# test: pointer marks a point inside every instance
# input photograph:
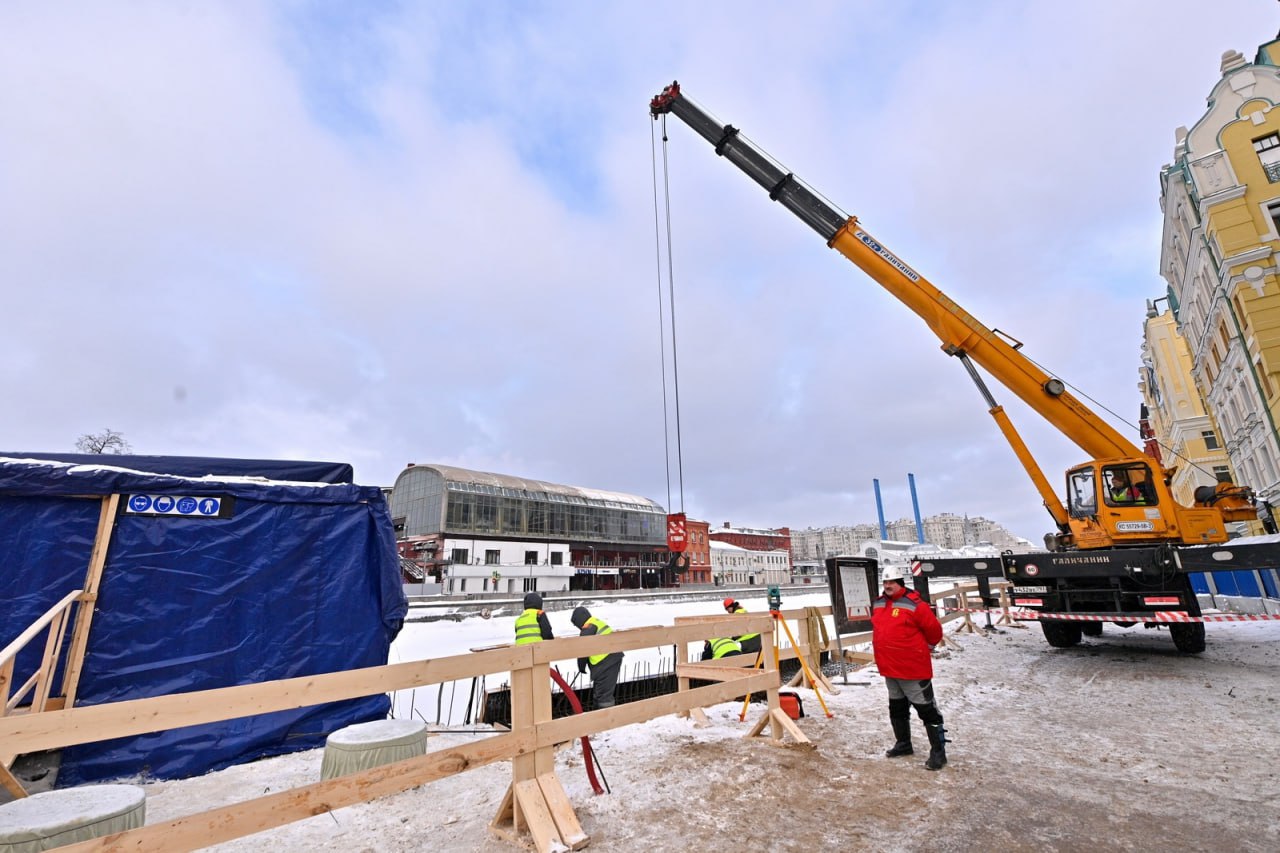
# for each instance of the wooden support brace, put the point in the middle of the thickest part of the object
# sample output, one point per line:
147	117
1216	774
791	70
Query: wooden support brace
779	719
506	814
532	806
567	825
11	783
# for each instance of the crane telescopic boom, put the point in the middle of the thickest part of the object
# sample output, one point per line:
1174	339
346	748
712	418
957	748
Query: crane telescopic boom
959	332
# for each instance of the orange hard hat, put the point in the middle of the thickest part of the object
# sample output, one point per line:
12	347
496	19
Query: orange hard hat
729	603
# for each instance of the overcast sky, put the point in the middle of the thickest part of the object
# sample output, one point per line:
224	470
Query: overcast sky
392	232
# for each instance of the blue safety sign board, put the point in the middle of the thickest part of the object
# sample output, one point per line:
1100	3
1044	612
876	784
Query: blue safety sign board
181	506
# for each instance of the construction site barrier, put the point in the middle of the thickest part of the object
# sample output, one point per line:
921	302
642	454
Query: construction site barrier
535	806
1158	616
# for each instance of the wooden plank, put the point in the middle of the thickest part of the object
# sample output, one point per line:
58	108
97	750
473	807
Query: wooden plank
88	599
240	819
544	758
6	682
506	810
643	638
793	613
522	767
567	824
49	662
771	695
533	808
21	692
11	651
10	783
52	729
568	728
712	673
780	717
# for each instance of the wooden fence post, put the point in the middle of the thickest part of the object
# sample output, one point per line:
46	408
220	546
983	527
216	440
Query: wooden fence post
89	599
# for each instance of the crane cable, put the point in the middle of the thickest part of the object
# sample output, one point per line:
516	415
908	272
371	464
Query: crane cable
1080	392
661	210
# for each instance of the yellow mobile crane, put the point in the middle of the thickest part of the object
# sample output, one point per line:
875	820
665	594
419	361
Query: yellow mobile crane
1119	547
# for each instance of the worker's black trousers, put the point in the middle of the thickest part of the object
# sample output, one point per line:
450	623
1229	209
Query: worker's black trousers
904	693
604	679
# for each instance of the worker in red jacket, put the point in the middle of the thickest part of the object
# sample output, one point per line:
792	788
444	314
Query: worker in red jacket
904	629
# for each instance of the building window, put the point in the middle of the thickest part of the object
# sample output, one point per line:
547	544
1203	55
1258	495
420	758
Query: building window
557	558
1268	148
1273	213
530	584
459	555
531	558
1210	439
1267	388
1222	473
492	558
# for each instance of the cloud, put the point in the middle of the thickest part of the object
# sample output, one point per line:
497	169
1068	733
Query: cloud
427	234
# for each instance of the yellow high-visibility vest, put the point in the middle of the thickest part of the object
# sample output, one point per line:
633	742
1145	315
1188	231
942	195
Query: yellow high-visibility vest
601	630
723	646
527	628
740	609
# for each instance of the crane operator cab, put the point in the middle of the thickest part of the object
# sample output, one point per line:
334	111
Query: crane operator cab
1115	501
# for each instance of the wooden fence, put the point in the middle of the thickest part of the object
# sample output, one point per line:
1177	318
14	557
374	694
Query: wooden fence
535	803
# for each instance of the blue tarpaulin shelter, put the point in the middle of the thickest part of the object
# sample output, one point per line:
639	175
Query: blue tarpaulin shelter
208	582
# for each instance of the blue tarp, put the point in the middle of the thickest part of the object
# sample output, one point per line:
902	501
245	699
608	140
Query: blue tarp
286	580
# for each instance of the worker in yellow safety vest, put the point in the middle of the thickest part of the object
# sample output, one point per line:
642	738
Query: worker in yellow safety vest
721	647
532	626
605	668
750	643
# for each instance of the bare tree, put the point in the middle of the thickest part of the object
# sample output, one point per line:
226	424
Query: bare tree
107	441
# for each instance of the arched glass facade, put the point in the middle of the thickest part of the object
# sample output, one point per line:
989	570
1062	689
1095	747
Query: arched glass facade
430	499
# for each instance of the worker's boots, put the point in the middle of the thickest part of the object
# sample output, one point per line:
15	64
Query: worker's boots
902	732
900	719
937	747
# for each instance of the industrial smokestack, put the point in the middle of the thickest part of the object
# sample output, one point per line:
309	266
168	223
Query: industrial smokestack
884	533
915	505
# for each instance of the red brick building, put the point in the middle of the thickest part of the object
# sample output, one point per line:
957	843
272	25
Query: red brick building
698	551
754	539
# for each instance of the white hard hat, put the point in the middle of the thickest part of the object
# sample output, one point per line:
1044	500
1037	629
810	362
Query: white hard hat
893	573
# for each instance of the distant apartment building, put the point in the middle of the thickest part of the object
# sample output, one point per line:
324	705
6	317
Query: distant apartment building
945	530
1221	202
484	532
732	565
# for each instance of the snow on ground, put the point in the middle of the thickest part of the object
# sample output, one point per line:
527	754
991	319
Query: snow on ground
1120	743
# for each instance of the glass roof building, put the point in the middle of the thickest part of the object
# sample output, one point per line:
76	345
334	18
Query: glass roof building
442	500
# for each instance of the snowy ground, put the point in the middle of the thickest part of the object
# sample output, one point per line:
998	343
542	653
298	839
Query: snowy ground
1120	743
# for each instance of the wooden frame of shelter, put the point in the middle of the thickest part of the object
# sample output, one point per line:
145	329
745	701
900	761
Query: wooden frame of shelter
40	685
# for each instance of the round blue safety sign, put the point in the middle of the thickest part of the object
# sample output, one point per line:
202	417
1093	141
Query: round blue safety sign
140	503
186	506
208	506
163	503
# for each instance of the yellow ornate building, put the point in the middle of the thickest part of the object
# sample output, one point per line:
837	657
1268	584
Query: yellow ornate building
1189	443
1221	203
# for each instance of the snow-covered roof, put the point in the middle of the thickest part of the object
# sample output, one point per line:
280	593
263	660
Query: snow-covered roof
508	481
